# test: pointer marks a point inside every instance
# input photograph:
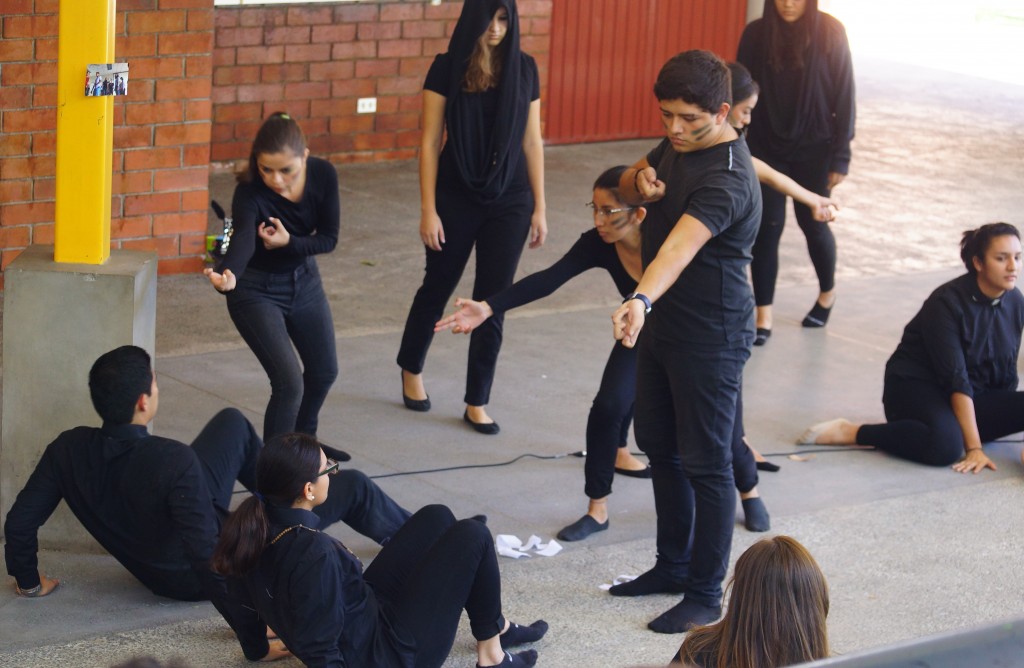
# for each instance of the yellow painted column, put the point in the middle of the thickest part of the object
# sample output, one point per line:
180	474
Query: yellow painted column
85	134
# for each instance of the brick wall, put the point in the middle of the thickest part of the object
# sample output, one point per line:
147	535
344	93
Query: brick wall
161	128
315	61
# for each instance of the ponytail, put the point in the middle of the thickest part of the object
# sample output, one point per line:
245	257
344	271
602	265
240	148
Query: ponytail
242	539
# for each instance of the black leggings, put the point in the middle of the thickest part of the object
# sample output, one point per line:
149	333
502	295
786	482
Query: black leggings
810	169
429	572
921	425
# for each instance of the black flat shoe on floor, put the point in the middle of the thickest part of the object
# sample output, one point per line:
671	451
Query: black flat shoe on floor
489	428
334	453
639	473
761	336
817	316
581	528
418	405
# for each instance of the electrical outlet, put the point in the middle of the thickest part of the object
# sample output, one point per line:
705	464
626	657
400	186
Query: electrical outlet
366	105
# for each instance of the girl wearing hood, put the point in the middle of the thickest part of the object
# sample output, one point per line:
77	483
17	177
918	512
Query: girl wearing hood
483	187
802	128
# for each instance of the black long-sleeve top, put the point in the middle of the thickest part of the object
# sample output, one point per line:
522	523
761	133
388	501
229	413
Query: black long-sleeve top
310	589
588	252
313	222
962	340
818	107
144	499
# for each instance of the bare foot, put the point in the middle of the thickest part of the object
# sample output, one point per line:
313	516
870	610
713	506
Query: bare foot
478	414
624	459
832	432
412	386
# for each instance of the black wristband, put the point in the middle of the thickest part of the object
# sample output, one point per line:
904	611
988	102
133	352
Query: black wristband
643	298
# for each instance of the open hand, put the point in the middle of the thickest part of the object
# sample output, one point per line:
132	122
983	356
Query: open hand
975	461
277	651
468	316
221	282
431	231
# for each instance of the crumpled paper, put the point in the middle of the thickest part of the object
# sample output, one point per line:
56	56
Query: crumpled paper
508	545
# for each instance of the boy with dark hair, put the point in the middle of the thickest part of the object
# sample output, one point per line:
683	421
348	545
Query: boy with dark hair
703	204
156	504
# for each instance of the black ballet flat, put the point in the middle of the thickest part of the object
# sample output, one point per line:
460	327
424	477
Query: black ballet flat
489	428
762	335
418	405
817	316
638	473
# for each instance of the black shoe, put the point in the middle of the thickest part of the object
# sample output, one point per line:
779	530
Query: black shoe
418	405
639	473
651	582
762	336
334	453
817	316
489	428
684	616
581	528
767	466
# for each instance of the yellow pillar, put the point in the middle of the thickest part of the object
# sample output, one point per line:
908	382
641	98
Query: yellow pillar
85	133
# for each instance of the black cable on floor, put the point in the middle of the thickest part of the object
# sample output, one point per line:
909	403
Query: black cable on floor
474	466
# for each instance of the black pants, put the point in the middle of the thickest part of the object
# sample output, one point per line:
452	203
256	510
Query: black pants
686	423
434	568
498	231
273	312
228	447
810	169
921	425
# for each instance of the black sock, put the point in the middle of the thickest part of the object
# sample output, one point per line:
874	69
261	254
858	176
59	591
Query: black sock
651	582
524	659
684	616
755	515
520	635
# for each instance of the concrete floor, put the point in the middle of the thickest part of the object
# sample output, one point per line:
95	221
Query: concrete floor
908	550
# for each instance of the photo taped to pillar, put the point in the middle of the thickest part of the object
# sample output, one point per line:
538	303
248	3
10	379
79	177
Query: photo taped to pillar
106	79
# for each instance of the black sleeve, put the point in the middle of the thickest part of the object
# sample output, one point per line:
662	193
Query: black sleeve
235	605
317	598
843	102
438	75
940	335
749	52
535	89
541	284
33	506
246	215
327	223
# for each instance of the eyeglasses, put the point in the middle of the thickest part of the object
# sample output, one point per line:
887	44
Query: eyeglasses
606	211
332	467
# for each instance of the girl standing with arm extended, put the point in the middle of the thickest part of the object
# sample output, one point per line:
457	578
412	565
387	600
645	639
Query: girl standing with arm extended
484	188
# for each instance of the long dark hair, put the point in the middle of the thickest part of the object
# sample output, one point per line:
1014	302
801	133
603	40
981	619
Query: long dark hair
975	243
743	84
778	603
286	463
788	42
278	132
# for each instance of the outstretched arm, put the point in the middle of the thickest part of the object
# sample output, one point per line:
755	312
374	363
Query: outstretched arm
468	316
822	208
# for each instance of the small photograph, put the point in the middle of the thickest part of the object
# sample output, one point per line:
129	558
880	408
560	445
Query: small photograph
106	79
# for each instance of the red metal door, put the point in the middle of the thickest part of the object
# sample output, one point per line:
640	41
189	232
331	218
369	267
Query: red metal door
605	55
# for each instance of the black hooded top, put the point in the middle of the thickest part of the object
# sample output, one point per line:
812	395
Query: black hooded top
801	104
484	148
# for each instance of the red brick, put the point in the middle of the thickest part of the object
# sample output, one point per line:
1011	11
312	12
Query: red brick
44	143
448	11
399	85
535	45
43	97
44	189
408	139
118	115
180	179
529	8
17	27
155	68
12	50
183	89
410	103
401	12
164	246
46	49
263	16
224	95
352	124
194	244
135	205
307	91
184	4
128	5
223	57
227	76
399	48
354	88
387	104
306	53
311	125
197	155
131	46
195	200
372	31
246	130
155	112
42	233
331	71
198	110
260	92
198	66
354	13
347	50
15	237
19	190
30	167
397	121
177	223
414	67
433	46
373	141
199	20
160	21
539	26
185	133
126	183
259	55
176	43
26	213
141	91
304	16
225	17
15	98
289	35
180	265
280	73
228	113
345	32
221	132
131	226
377	68
153	158
223	151
239	37
10	7
133	137
423	29
16	74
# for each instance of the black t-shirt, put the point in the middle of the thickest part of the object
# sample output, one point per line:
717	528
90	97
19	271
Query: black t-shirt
961	340
588	252
711	304
447	171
